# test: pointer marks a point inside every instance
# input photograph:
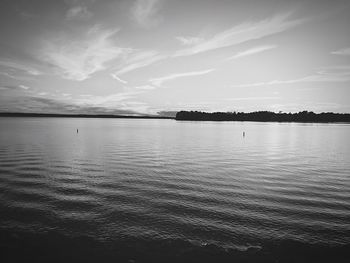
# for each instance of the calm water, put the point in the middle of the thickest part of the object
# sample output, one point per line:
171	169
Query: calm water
164	184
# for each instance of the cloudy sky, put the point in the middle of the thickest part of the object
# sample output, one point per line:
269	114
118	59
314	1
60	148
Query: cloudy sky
147	56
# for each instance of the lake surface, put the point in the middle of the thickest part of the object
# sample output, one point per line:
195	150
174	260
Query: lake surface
139	190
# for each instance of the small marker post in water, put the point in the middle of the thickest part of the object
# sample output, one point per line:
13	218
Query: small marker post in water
243	134
77	131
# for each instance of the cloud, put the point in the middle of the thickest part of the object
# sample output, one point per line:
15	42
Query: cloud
109	100
24	87
118	103
243	33
14	87
159	81
248	31
20	67
25	15
79	13
119	79
7	75
331	74
171	114
78	9
78	60
145	13
145	87
139	59
189	41
49	105
342	52
7	87
252	51
252	98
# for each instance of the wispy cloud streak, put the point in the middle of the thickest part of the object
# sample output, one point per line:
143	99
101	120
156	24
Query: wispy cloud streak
7	75
24	87
335	74
243	33
343	52
189	41
159	81
252	98
119	79
19	66
78	60
139	59
14	87
252	51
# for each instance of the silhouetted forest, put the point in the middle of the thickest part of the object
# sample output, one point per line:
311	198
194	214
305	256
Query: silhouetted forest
264	116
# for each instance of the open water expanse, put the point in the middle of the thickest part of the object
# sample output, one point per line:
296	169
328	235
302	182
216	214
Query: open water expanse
139	190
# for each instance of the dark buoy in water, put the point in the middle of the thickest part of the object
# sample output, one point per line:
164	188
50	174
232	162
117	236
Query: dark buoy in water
243	134
77	131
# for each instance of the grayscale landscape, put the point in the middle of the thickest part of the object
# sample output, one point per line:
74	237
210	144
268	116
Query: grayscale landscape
174	131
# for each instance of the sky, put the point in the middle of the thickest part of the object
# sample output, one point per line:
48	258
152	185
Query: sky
159	56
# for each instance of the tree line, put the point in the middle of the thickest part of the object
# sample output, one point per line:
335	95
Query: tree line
264	116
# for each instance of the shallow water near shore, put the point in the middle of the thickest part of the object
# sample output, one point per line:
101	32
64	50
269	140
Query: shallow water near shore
165	190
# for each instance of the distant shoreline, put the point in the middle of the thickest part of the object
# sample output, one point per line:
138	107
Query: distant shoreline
265	116
55	115
260	116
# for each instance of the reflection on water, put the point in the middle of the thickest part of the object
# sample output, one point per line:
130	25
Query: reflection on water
150	182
